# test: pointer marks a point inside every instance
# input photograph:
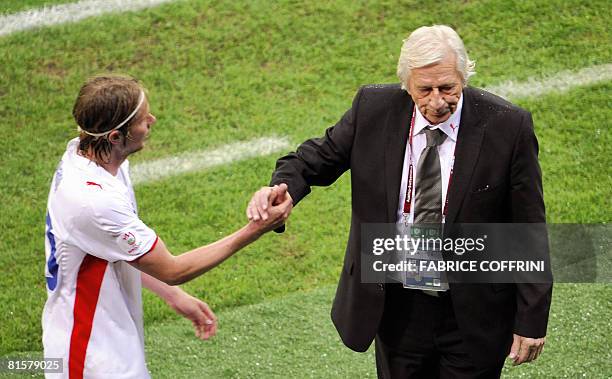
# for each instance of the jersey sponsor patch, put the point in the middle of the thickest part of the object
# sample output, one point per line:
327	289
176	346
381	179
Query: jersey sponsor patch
129	242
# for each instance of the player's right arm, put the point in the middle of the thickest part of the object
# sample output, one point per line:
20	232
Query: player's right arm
175	270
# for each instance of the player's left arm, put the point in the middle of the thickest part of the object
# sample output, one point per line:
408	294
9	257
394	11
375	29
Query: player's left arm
532	299
198	312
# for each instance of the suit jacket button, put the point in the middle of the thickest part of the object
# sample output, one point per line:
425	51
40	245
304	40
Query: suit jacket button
381	286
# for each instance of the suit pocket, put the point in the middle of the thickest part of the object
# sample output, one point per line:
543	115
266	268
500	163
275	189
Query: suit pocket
486	191
486	188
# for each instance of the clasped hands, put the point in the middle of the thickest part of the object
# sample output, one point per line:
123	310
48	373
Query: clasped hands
270	207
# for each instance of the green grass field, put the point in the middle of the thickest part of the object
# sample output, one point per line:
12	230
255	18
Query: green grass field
221	72
11	6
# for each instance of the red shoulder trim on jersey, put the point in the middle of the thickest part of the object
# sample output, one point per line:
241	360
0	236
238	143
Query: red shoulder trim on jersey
89	282
154	244
151	249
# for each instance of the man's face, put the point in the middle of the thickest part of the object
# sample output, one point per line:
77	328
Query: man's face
140	130
436	89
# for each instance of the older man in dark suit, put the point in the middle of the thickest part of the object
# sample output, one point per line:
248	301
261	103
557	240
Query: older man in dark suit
429	149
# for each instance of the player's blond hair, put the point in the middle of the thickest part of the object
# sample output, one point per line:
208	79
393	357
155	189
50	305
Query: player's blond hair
104	102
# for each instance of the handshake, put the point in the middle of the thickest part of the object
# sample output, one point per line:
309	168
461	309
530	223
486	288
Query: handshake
269	208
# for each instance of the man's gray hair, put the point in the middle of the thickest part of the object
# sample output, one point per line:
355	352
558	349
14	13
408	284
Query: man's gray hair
431	44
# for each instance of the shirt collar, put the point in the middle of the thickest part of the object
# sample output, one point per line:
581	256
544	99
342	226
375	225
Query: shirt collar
450	127
90	166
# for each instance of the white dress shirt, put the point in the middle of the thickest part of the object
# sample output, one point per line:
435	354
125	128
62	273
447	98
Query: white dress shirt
446	152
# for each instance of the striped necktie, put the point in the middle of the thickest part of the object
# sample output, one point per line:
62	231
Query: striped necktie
428	190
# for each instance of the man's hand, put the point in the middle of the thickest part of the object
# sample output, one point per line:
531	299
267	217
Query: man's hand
525	349
266	197
277	203
203	319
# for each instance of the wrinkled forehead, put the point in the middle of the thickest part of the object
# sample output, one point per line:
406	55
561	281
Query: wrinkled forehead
435	79
438	73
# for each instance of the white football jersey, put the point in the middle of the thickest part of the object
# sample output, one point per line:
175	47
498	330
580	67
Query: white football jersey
93	315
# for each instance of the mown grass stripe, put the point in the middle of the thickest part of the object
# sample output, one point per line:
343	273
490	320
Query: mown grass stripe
200	160
71	12
562	81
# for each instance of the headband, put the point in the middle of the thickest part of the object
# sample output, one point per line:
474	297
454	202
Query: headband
128	118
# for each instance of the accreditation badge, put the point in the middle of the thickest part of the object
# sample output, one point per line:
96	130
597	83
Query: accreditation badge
427	252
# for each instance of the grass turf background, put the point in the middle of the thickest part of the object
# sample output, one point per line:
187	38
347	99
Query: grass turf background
291	337
218	72
12	6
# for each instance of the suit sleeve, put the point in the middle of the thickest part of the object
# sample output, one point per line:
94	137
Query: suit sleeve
319	161
532	299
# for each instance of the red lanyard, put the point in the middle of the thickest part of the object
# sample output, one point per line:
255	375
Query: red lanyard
408	198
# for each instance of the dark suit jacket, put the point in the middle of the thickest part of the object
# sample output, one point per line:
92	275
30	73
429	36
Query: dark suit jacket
496	146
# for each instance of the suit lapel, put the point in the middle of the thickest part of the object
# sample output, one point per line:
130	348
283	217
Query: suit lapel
469	141
396	134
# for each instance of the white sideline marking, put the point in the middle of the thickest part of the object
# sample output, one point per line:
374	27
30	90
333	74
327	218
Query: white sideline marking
190	162
562	81
70	12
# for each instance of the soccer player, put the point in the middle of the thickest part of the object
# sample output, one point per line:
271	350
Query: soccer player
99	252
